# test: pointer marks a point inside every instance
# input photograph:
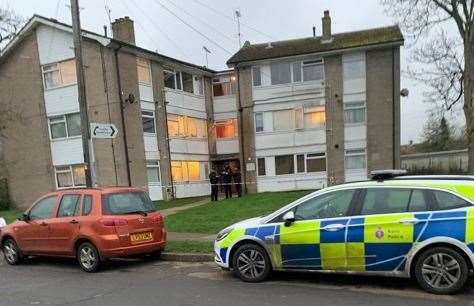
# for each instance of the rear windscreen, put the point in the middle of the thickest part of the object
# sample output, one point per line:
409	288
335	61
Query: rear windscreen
126	202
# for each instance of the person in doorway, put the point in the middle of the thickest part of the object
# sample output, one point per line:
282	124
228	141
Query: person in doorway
227	182
214	180
237	181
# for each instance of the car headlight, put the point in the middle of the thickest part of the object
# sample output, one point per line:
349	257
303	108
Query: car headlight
222	234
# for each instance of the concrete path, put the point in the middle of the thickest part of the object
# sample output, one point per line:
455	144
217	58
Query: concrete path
174	210
191	236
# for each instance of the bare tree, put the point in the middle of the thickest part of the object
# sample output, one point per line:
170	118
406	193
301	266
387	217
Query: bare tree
10	24
447	62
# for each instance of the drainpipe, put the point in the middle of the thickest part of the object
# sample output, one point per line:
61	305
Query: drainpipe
243	168
393	110
122	116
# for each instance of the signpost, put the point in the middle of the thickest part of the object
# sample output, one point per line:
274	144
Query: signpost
103	131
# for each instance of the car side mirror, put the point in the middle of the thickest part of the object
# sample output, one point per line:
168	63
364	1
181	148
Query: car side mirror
25	217
289	218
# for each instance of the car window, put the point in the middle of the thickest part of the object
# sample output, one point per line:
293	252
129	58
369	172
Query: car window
446	200
69	205
126	202
43	209
86	205
330	205
385	201
417	201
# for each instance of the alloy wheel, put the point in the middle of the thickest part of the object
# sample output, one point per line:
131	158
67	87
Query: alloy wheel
87	257
441	271
251	263
10	251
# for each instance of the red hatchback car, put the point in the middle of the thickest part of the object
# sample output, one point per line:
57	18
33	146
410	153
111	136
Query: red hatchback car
91	224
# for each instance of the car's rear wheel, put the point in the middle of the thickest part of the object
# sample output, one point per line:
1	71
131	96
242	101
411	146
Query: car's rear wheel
441	270
11	252
251	263
88	257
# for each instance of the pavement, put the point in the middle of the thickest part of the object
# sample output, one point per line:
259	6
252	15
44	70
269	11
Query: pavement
174	210
135	282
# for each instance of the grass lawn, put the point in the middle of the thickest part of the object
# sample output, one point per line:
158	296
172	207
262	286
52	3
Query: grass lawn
215	216
160	205
189	246
10	215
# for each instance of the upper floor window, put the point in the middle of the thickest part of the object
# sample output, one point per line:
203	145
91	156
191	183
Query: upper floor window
354	112
144	71
65	126
280	73
199	85
226	129
283	120
184	126
314	117
185	171
355	159
70	176
59	74
354	69
148	121
301	71
180	81
256	76
223	86
153	172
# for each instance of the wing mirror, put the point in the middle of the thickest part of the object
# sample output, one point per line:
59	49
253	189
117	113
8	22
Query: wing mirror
25	217
289	218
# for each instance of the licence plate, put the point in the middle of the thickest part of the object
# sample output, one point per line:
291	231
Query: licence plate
141	237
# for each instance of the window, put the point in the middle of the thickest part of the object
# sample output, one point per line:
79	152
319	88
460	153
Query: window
355	159
354	70
385	201
59	74
259	122
179	85
446	200
329	205
86	205
184	171
316	162
297	72
69	205
314	117
283	120
226	129
70	176
43	209
65	126
170	81
183	126
144	71
354	112
256	76
313	70
199	85
261	167
153	172
148	121
300	167
280	73
417	201
126	202
187	82
223	86
284	164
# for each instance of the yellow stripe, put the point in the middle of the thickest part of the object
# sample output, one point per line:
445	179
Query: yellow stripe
333	256
470	225
356	256
388	229
229	240
300	232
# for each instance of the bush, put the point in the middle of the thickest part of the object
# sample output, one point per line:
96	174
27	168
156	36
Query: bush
5	202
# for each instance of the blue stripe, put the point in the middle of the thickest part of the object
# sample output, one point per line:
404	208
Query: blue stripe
355	230
223	254
336	236
301	255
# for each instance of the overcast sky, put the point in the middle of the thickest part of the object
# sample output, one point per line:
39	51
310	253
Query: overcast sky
157	29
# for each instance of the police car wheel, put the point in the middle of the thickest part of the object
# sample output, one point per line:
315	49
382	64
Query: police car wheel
11	252
441	270
251	263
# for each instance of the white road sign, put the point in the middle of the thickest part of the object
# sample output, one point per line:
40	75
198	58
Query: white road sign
100	130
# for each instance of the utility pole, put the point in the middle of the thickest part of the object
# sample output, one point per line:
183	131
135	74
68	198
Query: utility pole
81	88
206	52
237	16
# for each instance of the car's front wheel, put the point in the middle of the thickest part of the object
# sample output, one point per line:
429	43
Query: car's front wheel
441	270
88	257
251	263
11	252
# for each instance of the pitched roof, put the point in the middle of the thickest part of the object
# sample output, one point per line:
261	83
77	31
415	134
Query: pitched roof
310	45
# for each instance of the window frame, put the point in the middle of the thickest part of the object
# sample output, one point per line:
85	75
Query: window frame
222	79
200	124
53	209
154	164
347	108
293	162
225	123
64	120
259	68
301	64
144	63
77	207
60	77
263	122
69	170
259	173
355	154
150	115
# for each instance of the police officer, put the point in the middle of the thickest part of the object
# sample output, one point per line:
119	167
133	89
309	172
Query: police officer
214	185
226	180
237	181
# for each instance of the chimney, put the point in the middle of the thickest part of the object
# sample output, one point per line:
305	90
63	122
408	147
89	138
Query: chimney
123	30
326	27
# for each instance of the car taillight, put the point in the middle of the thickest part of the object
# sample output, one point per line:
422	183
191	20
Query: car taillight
157	219
113	222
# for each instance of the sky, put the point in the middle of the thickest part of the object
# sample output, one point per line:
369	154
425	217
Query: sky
211	23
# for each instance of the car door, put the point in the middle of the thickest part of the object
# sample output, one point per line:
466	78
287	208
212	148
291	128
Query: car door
33	232
64	227
316	239
389	222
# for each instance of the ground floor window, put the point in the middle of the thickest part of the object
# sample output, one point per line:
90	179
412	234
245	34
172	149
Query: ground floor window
261	166
315	162
356	159
70	176
153	172
284	164
188	171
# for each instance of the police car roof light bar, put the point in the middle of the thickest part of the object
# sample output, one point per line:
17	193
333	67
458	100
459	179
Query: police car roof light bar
381	175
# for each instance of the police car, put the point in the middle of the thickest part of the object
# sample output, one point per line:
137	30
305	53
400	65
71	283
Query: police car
394	225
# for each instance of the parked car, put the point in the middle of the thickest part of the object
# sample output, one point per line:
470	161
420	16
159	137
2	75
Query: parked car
409	226
91	225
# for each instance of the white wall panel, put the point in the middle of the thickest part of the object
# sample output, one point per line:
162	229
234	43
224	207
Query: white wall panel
67	152
290	139
225	104
355	132
155	192
54	45
227	146
291	182
181	99
61	100
178	145
355	175
192	189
